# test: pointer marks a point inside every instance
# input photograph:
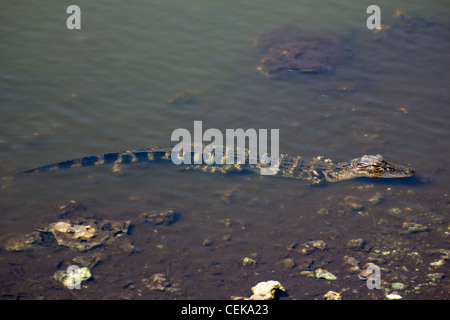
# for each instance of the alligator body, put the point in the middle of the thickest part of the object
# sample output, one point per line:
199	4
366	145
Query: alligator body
316	169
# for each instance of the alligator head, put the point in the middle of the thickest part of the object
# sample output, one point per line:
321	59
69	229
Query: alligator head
377	167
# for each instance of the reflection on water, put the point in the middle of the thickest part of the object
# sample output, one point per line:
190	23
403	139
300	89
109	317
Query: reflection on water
122	83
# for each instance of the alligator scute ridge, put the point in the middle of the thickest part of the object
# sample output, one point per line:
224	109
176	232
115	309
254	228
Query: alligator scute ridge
316	169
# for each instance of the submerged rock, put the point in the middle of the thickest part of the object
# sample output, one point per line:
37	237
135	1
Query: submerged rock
158	282
445	253
159	217
351	203
23	242
404	28
289	50
74	278
356	244
375	199
396	210
70	209
85	234
184	98
435	276
249	262
207	242
311	246
353	263
412	227
79	233
88	260
285	264
365	274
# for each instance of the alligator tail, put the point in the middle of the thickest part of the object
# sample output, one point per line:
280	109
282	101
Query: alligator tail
145	155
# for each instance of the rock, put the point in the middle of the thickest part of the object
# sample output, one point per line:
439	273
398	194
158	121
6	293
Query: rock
81	232
435	276
350	85
126	246
306	250
63	227
289	50
23	242
353	262
396	210
445	253
184	98
85	234
68	209
364	274
350	204
356	244
375	199
227	237
307	273
319	244
305	263
226	196
331	295
249	262
158	282
286	264
207	243
117	168
437	263
88	260
412	227
393	296
398	286
404	28
322	211
324	274
74	278
311	246
266	290
162	217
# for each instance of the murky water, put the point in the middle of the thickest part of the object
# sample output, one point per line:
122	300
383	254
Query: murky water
112	86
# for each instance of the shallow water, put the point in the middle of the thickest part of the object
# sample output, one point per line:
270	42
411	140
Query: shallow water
107	87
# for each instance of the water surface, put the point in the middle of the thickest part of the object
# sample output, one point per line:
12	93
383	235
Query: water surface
107	87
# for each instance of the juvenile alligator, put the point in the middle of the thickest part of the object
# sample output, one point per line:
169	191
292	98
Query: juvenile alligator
317	169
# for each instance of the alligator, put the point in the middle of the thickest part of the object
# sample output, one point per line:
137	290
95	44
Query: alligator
316	170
